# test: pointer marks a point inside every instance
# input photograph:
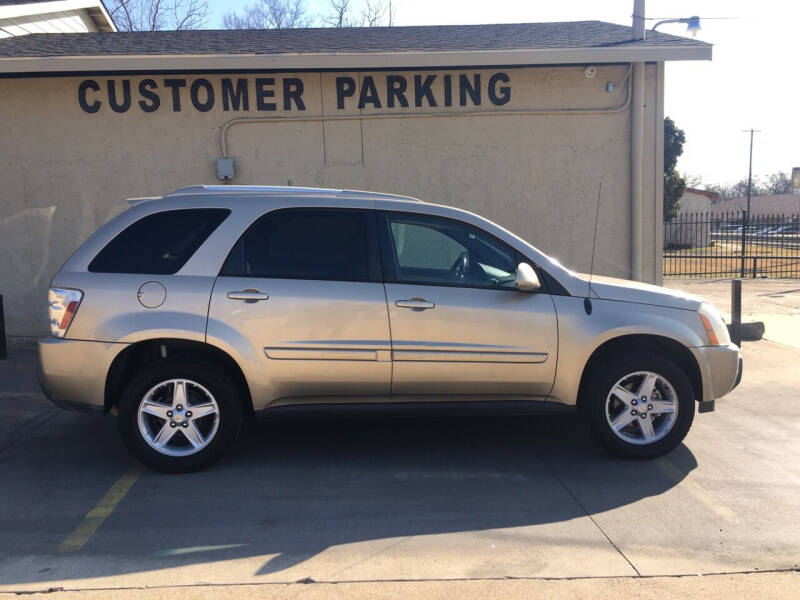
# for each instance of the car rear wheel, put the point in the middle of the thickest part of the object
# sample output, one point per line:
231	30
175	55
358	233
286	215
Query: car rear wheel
179	415
639	405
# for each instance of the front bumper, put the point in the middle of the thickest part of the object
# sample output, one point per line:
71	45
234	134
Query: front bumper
721	371
72	373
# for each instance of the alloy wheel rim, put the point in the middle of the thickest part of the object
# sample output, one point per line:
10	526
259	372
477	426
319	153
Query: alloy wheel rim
641	408
178	417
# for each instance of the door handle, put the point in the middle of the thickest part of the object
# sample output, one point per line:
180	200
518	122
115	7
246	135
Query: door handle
248	296
415	303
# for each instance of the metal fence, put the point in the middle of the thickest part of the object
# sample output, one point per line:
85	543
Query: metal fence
732	245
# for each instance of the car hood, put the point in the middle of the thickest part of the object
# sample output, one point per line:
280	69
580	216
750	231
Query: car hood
623	290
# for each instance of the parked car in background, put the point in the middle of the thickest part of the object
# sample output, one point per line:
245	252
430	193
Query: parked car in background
187	314
768	229
788	229
725	229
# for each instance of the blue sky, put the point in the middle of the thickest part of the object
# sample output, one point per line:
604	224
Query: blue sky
751	82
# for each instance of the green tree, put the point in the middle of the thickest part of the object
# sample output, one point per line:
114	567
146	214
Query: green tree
674	183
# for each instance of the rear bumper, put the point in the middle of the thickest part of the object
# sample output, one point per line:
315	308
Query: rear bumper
721	371
72	373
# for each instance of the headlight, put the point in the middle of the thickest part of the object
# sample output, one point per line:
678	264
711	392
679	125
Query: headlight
62	304
715	328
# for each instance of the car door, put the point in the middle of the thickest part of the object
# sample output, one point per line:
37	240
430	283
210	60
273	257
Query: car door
459	326
301	291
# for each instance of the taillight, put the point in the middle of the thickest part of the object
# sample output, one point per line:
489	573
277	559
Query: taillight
62	304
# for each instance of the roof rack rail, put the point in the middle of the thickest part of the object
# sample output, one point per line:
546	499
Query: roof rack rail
189	189
139	200
380	195
275	189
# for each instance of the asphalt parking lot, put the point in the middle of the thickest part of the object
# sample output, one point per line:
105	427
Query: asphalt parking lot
422	500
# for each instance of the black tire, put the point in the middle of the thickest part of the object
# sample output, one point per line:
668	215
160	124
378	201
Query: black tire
215	380
607	373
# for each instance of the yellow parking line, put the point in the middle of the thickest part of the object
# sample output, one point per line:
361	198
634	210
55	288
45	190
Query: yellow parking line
694	489
95	517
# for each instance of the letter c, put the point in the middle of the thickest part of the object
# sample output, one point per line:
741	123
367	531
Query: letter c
88	84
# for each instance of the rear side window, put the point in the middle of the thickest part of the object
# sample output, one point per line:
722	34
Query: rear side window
323	244
159	244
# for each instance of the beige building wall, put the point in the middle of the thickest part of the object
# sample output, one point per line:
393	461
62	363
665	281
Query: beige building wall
532	164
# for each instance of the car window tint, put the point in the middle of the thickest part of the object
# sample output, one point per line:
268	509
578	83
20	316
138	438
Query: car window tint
325	244
419	246
443	251
158	244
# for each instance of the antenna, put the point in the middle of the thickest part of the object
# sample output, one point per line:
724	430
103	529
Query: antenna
587	302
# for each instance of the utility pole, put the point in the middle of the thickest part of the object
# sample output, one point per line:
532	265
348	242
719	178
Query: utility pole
746	219
638	20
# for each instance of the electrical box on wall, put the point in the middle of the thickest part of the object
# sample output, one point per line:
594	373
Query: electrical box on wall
225	168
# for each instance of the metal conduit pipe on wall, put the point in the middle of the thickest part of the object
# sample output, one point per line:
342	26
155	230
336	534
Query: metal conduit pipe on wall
637	145
503	113
637	159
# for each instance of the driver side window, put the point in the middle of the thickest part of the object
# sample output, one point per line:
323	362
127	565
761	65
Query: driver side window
421	247
439	251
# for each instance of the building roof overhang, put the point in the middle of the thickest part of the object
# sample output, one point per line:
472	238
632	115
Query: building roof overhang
431	47
345	61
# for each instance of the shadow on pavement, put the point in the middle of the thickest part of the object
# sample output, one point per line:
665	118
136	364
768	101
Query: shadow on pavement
293	489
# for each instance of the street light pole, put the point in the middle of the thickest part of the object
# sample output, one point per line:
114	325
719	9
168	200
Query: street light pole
746	219
693	24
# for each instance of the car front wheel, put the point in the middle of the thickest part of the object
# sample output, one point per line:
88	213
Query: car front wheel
639	405
179	415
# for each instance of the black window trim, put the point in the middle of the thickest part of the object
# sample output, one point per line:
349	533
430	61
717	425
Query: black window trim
390	267
374	263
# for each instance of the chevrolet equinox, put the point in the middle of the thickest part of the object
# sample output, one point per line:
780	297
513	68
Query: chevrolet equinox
187	314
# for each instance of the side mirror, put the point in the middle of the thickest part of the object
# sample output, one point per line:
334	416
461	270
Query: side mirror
526	279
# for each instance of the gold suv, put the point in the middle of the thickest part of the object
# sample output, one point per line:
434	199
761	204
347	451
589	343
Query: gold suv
186	314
